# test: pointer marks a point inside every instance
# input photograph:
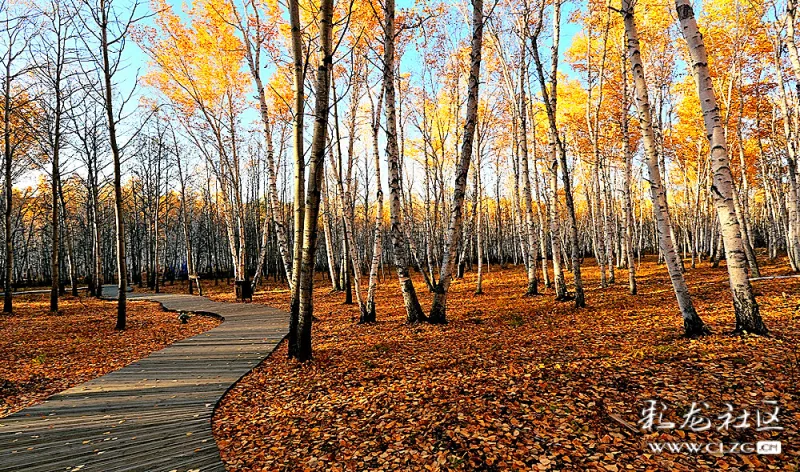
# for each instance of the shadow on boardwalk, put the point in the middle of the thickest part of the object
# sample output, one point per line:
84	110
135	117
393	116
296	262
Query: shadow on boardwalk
154	414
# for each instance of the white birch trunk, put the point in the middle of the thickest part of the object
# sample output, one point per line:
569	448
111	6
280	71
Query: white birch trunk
377	243
627	200
530	230
748	318
316	172
439	306
693	325
414	312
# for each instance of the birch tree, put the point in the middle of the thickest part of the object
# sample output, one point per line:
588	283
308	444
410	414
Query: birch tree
55	58
438	313
255	27
748	318
557	147
692	324
17	30
377	244
298	110
530	229
628	156
414	312
316	173
108	27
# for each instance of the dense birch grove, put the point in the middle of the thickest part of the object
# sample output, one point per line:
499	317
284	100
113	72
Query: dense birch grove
354	143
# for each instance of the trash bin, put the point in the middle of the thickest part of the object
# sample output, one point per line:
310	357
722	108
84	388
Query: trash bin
244	291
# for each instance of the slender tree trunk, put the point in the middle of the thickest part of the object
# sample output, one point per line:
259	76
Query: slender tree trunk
294	341
377	243
595	210
253	52
744	207
346	200
413	310
539	213
609	226
346	267
692	324
595	204
156	267
326	227
8	306
9	189
377	250
98	255
185	219
73	273
605	248
438	313
793	195
122	267
240	273
748	318
560	155
55	220
718	249
559	283
478	230
627	200
530	230
319	140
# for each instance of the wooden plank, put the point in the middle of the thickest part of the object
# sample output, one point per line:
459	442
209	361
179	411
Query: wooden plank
41	291
154	414
773	277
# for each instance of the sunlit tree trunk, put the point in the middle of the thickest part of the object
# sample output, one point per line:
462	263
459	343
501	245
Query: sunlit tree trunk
597	209
347	203
748	318
479	229
438	313
108	98
692	324
427	270
252	32
742	202
187	239
377	243
530	230
329	244
238	205
299	181
627	200
414	312
558	150
793	195
540	215
318	144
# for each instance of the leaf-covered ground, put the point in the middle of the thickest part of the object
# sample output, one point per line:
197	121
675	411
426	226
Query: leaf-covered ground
515	383
43	354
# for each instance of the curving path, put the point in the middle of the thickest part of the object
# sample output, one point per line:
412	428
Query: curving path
154	414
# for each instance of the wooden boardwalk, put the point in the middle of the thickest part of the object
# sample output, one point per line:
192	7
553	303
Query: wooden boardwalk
154	414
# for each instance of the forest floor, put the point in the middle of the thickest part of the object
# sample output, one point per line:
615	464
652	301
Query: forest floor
516	383
43	354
